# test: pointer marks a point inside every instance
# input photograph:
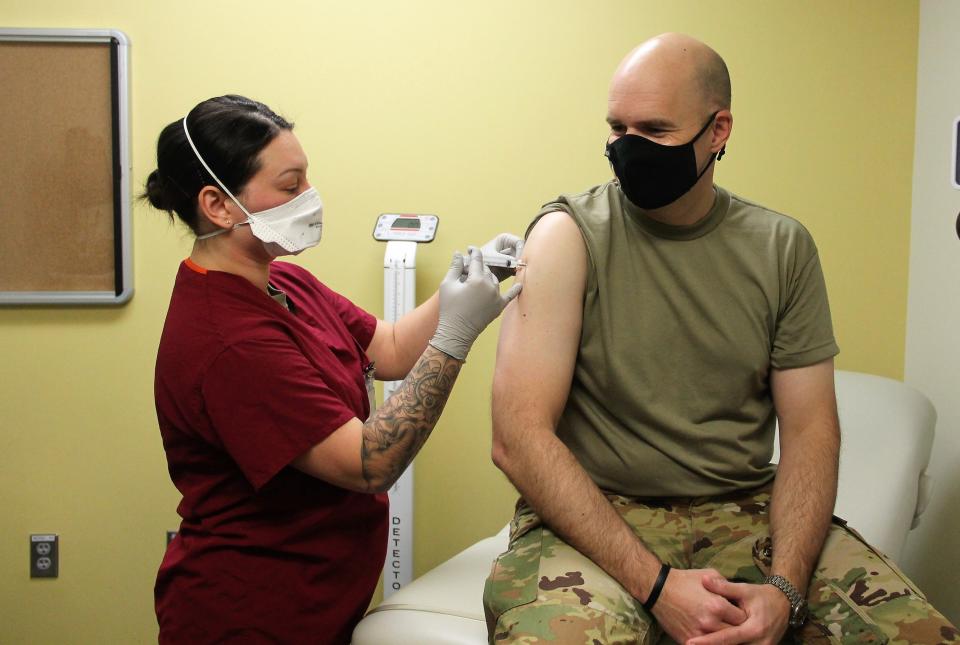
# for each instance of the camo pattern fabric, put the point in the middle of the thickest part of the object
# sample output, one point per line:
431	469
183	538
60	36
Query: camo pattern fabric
543	591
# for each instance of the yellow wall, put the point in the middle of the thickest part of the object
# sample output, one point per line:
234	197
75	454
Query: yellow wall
476	111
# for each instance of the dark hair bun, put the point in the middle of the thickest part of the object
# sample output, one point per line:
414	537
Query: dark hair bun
158	192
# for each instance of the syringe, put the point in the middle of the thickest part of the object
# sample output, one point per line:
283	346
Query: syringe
502	260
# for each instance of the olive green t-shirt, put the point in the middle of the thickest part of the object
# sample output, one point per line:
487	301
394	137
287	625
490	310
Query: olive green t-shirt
681	326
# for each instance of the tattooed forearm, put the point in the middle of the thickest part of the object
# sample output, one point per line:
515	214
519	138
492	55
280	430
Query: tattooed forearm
393	436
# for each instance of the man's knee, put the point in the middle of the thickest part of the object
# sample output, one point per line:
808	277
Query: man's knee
543	590
857	592
552	622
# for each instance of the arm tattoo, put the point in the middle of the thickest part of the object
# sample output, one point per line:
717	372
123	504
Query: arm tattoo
393	436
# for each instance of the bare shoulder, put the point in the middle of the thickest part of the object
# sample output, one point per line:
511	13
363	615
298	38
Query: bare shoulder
553	227
554	250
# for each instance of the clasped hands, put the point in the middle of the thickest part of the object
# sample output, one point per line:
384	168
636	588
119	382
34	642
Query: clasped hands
701	607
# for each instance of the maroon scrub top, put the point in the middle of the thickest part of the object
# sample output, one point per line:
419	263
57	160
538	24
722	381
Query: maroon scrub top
243	386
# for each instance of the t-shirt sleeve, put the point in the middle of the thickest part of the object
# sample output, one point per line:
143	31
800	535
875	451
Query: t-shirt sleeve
804	332
268	404
360	323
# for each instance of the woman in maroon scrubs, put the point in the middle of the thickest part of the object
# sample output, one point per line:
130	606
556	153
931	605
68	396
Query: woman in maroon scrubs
261	386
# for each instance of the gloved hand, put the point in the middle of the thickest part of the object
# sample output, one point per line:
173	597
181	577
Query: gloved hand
468	306
507	244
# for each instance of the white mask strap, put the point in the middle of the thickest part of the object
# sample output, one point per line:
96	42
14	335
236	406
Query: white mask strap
217	179
220	230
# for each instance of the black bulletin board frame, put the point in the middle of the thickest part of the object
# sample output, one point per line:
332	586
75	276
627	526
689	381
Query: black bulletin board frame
120	169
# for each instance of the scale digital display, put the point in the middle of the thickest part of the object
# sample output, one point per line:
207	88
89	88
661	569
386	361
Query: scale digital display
406	223
405	227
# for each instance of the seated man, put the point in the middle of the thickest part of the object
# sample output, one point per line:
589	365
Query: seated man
664	322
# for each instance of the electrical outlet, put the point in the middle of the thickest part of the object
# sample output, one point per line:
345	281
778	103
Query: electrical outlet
170	536
44	555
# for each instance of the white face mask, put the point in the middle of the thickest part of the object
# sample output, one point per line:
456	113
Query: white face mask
286	229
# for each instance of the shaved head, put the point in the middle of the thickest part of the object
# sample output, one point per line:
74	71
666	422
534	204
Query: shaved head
714	81
680	63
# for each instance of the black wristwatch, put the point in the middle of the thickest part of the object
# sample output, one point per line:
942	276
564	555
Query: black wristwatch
798	604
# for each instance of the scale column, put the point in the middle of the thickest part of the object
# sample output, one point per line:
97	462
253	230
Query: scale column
399	288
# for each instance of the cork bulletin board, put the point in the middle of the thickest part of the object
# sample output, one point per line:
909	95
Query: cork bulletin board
64	167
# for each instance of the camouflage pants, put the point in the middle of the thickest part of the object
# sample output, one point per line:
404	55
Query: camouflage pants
543	591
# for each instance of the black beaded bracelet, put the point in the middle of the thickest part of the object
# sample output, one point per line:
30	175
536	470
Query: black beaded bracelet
657	587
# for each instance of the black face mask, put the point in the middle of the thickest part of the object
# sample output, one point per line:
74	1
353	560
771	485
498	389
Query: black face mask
651	174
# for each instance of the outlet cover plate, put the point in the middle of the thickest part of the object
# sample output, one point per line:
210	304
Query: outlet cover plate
44	555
